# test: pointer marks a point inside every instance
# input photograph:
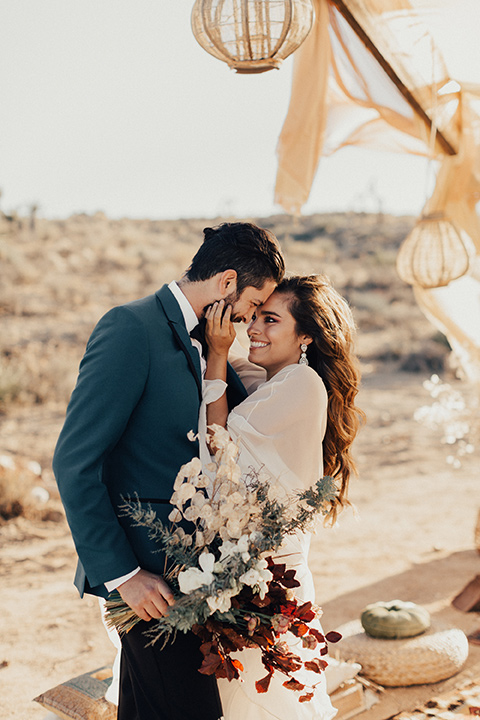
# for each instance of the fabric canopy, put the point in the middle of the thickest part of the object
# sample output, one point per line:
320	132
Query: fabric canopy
391	75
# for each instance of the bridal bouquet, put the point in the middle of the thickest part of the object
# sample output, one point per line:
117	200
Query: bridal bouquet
229	590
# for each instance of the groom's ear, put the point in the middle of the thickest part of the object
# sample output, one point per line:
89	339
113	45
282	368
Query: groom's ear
227	282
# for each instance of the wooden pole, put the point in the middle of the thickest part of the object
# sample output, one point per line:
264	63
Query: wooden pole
413	102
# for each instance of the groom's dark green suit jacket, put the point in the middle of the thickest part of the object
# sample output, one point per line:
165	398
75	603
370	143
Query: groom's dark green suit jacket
137	396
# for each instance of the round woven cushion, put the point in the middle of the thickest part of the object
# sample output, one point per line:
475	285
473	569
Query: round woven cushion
435	655
394	619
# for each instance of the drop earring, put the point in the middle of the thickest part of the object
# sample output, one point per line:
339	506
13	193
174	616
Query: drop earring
303	357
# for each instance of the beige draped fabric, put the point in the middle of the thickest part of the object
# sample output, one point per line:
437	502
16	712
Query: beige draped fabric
391	75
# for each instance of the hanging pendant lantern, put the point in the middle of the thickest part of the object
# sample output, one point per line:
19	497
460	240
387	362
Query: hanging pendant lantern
434	253
251	36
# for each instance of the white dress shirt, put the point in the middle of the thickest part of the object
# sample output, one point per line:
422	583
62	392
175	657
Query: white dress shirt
191	321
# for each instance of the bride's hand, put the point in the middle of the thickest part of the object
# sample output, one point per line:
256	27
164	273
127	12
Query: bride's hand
219	330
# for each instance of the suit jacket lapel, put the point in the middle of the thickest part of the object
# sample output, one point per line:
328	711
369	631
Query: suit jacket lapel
235	390
177	325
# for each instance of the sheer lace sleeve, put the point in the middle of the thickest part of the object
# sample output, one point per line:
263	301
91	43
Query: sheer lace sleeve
280	428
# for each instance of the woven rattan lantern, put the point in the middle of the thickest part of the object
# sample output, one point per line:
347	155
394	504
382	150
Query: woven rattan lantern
251	36
435	253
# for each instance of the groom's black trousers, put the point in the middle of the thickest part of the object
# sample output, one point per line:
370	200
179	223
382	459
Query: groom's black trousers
163	683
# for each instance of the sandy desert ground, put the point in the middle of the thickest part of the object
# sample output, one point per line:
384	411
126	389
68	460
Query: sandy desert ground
413	534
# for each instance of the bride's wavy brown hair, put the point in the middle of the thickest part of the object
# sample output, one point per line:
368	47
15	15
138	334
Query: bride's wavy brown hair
322	313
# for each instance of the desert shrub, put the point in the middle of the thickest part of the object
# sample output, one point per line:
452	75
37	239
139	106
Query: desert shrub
11	382
16	485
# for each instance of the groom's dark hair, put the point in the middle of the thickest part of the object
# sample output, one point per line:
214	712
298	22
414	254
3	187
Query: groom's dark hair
253	252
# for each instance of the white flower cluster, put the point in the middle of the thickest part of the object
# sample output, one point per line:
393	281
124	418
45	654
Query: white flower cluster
223	509
228	509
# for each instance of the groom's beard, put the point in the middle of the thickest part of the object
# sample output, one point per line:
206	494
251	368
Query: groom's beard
229	300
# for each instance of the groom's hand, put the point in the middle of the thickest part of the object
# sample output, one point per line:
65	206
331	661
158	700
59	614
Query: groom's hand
147	594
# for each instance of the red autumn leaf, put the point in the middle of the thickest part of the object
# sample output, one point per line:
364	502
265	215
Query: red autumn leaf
237	641
212	626
316	665
293	685
261	602
201	631
266	664
211	663
286	663
288	579
260	641
262	685
333	636
324	650
230	670
305	612
288	608
277	570
238	665
305	698
266	633
317	634
206	647
299	629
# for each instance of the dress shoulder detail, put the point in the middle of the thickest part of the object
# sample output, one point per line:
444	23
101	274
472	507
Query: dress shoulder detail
304	380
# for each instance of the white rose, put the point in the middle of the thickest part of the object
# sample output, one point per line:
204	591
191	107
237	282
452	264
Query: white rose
193	578
251	577
190	580
222	601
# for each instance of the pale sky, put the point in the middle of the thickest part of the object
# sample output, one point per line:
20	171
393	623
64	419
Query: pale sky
112	105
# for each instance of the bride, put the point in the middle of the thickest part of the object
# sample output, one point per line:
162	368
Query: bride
296	426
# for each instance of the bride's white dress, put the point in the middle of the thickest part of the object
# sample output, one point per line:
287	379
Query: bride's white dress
279	430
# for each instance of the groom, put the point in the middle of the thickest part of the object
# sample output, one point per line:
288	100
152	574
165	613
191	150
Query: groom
137	396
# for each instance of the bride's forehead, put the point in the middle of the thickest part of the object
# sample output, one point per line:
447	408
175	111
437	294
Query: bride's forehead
277	302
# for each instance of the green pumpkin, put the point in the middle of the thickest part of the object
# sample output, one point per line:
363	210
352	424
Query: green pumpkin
394	619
